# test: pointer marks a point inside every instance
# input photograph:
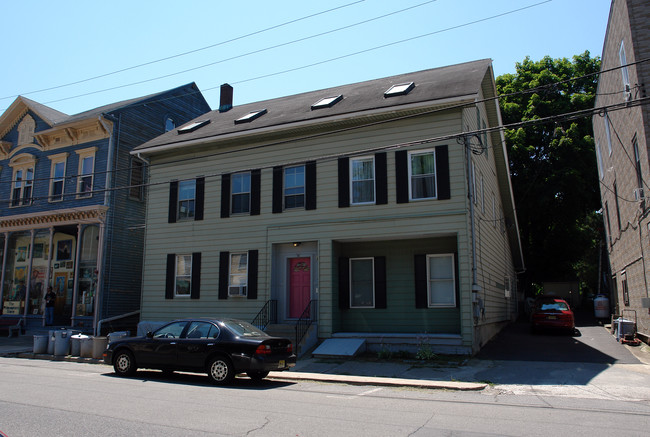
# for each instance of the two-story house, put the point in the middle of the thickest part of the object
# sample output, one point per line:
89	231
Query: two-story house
622	134
381	210
72	205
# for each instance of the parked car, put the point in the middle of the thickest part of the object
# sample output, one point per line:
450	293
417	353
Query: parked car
552	313
222	348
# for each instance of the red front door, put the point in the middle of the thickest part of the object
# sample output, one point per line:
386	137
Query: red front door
299	285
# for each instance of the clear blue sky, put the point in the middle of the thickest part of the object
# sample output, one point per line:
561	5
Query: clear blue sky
53	43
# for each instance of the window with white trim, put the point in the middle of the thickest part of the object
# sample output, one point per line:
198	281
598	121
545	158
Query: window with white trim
422	175
136	191
57	176
624	72
608	133
441	281
183	276
294	187
22	186
238	274
86	171
599	159
362	283
362	180
240	193
186	199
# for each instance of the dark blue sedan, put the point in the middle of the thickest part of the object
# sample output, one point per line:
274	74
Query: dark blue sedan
222	348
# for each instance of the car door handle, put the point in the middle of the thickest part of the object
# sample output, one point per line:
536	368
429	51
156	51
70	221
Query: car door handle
173	342
210	344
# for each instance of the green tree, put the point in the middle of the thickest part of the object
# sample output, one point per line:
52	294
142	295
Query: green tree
553	166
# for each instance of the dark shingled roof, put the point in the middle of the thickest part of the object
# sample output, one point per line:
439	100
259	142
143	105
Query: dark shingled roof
430	86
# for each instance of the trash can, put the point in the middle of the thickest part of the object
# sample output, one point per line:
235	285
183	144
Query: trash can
99	346
113	336
50	342
86	347
75	344
62	342
623	327
40	344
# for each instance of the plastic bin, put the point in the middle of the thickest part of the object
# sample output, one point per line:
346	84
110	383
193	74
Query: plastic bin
86	347
623	326
99	346
113	336
62	342
40	344
75	344
50	342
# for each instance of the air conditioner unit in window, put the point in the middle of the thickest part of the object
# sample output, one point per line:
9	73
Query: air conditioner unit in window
627	93
237	290
638	194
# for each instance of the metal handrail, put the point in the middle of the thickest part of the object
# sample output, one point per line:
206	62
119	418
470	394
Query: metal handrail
268	314
98	331
305	320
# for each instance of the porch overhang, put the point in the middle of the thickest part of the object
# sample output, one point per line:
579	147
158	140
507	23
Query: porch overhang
72	216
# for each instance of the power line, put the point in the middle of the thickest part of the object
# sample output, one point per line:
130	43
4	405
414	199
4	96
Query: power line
257	32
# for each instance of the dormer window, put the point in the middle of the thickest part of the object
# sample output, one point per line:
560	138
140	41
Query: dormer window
250	116
401	89
327	102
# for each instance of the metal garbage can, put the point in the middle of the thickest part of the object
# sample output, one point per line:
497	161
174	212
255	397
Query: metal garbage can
62	342
86	347
40	344
113	336
75	344
99	346
50	342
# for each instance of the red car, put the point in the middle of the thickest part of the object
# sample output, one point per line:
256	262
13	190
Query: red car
552	313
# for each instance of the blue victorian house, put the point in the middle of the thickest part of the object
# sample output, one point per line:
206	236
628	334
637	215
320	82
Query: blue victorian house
72	205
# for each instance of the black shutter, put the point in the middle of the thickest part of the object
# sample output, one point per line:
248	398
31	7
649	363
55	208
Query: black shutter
251	285
173	201
344	182
344	283
381	178
224	271
442	172
200	198
310	185
225	196
380	282
402	176
195	293
170	279
421	295
256	187
277	189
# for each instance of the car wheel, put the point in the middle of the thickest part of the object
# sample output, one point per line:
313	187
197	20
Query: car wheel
124	363
257	375
220	371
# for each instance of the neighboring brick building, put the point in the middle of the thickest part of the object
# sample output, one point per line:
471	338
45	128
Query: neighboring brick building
621	133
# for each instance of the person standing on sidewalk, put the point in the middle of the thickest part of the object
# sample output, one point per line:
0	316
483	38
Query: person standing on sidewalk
50	300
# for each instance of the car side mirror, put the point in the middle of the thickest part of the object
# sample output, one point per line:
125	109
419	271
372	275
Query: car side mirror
149	334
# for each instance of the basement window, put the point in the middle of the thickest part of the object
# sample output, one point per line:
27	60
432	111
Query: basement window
401	89
327	102
192	126
250	116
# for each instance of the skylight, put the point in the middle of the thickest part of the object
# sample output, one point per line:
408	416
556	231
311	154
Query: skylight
327	102
250	116
192	126
399	90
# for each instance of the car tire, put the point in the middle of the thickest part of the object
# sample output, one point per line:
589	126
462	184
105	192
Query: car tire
124	363
257	375
220	371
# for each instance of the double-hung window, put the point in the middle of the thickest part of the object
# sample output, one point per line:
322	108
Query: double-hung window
183	275
441	281
136	191
422	175
294	187
238	274
186	199
624	72
85	172
22	186
57	176
241	193
362	283
362	178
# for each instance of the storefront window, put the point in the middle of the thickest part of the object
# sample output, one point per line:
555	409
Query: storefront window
15	273
87	281
63	257
37	287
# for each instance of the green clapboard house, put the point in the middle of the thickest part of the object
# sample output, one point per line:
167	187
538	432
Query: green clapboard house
379	210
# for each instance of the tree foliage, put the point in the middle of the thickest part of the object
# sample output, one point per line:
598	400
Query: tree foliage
553	164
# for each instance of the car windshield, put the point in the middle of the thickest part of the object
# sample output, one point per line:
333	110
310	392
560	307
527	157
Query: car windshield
244	329
560	306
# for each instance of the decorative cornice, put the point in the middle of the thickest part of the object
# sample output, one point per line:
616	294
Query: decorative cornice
85	215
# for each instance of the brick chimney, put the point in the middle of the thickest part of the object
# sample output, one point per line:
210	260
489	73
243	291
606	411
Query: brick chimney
225	102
